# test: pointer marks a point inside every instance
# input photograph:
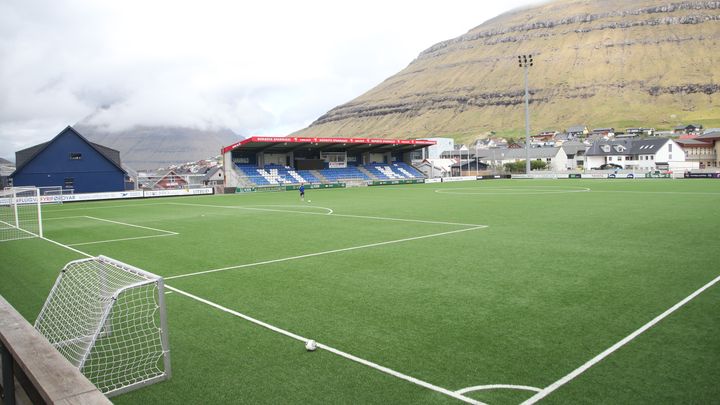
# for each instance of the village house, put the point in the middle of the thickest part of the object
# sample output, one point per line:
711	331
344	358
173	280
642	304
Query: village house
641	154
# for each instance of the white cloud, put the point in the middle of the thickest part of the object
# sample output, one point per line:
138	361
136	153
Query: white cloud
267	67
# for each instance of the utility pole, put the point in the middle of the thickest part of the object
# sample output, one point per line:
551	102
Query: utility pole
526	61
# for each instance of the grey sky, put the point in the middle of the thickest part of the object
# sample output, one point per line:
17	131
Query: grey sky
258	68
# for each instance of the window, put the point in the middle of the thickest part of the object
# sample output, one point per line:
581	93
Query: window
670	156
75	155
609	158
670	147
652	157
69	182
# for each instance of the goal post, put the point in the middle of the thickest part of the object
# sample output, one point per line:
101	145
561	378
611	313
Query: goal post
20	213
108	319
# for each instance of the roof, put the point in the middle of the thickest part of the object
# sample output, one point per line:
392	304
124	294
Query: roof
23	157
470	164
626	147
287	144
572	147
441	164
210	173
577	128
693	142
709	136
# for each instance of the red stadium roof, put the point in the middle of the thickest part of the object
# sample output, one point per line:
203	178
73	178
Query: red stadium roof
280	143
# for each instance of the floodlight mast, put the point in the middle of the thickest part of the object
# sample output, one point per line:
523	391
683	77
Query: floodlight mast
526	61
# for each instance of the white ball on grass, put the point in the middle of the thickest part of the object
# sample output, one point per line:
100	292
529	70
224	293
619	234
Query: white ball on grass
311	345
309	200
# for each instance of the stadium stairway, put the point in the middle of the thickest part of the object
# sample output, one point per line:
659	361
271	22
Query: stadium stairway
368	172
319	176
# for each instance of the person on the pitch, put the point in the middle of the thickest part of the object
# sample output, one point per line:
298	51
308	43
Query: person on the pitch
302	191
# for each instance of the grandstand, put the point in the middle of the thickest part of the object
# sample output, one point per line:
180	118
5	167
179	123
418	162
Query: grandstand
278	161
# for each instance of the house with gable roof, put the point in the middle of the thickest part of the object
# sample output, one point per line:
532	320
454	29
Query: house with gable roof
578	131
554	157
71	161
636	154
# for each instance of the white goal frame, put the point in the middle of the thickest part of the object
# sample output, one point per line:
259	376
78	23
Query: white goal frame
109	320
20	213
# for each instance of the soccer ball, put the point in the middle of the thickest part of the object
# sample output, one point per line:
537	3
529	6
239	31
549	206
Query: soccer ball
311	345
309	200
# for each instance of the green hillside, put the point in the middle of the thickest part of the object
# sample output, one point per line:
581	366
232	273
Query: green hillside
597	63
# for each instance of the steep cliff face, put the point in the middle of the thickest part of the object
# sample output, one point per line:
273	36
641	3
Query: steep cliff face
597	62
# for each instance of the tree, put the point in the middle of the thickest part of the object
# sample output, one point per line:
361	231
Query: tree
519	166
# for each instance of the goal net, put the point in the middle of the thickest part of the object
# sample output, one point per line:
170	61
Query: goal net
108	319
20	214
53	194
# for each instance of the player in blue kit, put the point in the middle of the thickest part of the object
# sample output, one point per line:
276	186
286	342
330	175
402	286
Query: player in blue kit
302	192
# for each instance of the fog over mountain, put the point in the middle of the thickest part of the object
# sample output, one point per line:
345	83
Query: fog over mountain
144	147
255	68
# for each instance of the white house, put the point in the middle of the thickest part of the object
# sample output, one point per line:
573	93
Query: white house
637	154
434	151
555	157
433	168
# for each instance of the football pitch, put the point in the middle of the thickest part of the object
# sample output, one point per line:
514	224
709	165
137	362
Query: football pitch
497	292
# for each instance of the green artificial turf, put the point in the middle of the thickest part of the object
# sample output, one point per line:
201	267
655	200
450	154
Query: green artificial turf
463	284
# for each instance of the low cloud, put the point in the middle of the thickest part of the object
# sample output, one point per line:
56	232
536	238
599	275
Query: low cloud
262	69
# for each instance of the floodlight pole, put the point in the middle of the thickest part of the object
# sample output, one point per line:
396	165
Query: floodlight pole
525	61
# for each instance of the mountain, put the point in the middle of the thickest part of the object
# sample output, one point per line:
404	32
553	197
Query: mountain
600	63
144	147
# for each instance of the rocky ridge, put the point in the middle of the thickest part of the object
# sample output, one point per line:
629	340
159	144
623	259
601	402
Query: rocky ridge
603	63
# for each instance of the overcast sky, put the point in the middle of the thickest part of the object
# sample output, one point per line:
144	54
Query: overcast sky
265	67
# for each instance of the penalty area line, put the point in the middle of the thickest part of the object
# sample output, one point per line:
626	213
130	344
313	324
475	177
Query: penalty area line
131	225
327	252
559	383
331	349
333	214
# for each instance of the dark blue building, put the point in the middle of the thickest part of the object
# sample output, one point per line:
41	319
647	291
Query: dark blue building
71	161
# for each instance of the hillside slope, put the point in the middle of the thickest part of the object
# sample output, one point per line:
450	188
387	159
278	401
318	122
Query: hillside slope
599	63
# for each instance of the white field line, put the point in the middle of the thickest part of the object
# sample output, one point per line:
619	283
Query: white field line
165	233
328	210
11	226
498	386
421	221
57	218
511	190
85	208
332	350
302	339
121	239
656	192
134	226
327	252
559	383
